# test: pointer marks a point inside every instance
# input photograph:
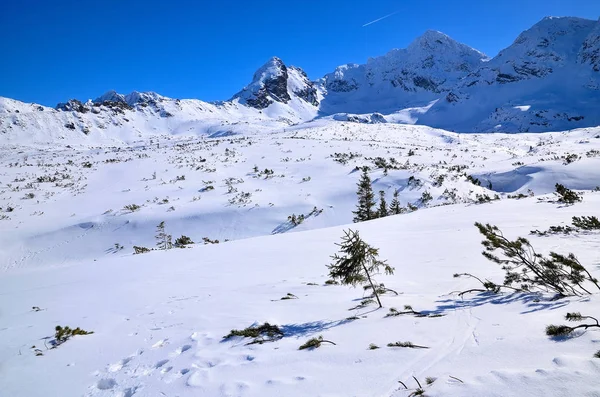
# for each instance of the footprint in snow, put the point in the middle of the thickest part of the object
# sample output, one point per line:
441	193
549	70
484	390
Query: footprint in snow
116	367
181	349
160	343
160	363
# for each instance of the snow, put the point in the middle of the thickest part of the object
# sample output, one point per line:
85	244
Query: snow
83	184
550	68
159	318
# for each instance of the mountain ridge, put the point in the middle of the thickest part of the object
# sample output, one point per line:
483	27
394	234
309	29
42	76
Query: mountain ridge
547	79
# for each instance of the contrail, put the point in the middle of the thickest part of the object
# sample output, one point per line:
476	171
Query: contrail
377	20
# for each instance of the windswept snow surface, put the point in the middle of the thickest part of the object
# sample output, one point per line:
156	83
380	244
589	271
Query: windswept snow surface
159	318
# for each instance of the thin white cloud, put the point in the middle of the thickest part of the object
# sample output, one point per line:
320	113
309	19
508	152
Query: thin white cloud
379	19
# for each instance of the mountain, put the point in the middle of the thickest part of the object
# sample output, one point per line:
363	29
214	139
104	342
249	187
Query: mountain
280	91
429	67
548	79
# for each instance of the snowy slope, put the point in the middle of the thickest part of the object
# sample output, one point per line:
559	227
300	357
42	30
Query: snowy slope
80	193
69	231
138	116
159	318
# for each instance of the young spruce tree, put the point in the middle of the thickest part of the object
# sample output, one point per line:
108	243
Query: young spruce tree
357	262
365	208
163	240
395	208
383	210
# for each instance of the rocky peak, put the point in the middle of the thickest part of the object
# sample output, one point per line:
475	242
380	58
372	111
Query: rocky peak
110	96
269	85
275	82
550	44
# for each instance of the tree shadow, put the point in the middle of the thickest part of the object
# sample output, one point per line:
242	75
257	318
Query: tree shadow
284	227
309	328
532	302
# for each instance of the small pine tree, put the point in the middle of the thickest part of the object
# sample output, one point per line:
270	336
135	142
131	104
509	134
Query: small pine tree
183	241
358	263
526	270
163	240
383	210
566	195
395	207
365	208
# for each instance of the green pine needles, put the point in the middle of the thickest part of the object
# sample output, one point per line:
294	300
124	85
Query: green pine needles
259	334
365	210
357	262
63	334
526	270
314	343
566	330
565	195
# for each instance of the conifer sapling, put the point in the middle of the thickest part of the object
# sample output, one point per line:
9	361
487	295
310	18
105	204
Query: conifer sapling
357	262
383	210
365	207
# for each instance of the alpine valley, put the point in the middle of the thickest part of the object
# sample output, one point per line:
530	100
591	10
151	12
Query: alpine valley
186	244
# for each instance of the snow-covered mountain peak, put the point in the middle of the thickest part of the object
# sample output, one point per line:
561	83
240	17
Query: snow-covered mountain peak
552	40
131	99
432	64
274	82
541	81
273	68
435	42
110	96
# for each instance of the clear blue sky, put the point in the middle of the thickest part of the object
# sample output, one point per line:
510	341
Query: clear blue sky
55	50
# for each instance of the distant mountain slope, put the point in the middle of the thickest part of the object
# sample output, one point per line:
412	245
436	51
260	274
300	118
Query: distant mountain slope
547	80
429	67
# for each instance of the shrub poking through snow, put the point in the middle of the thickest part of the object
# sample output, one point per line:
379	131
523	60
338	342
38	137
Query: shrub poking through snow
381	289
358	263
260	334
314	343
566	196
289	296
140	250
566	330
409	345
586	222
363	303
489	286
597	354
373	346
527	270
554	230
182	241
296	220
407	310
131	207
426	197
62	334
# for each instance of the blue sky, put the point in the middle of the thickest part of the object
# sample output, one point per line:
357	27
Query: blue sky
56	50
